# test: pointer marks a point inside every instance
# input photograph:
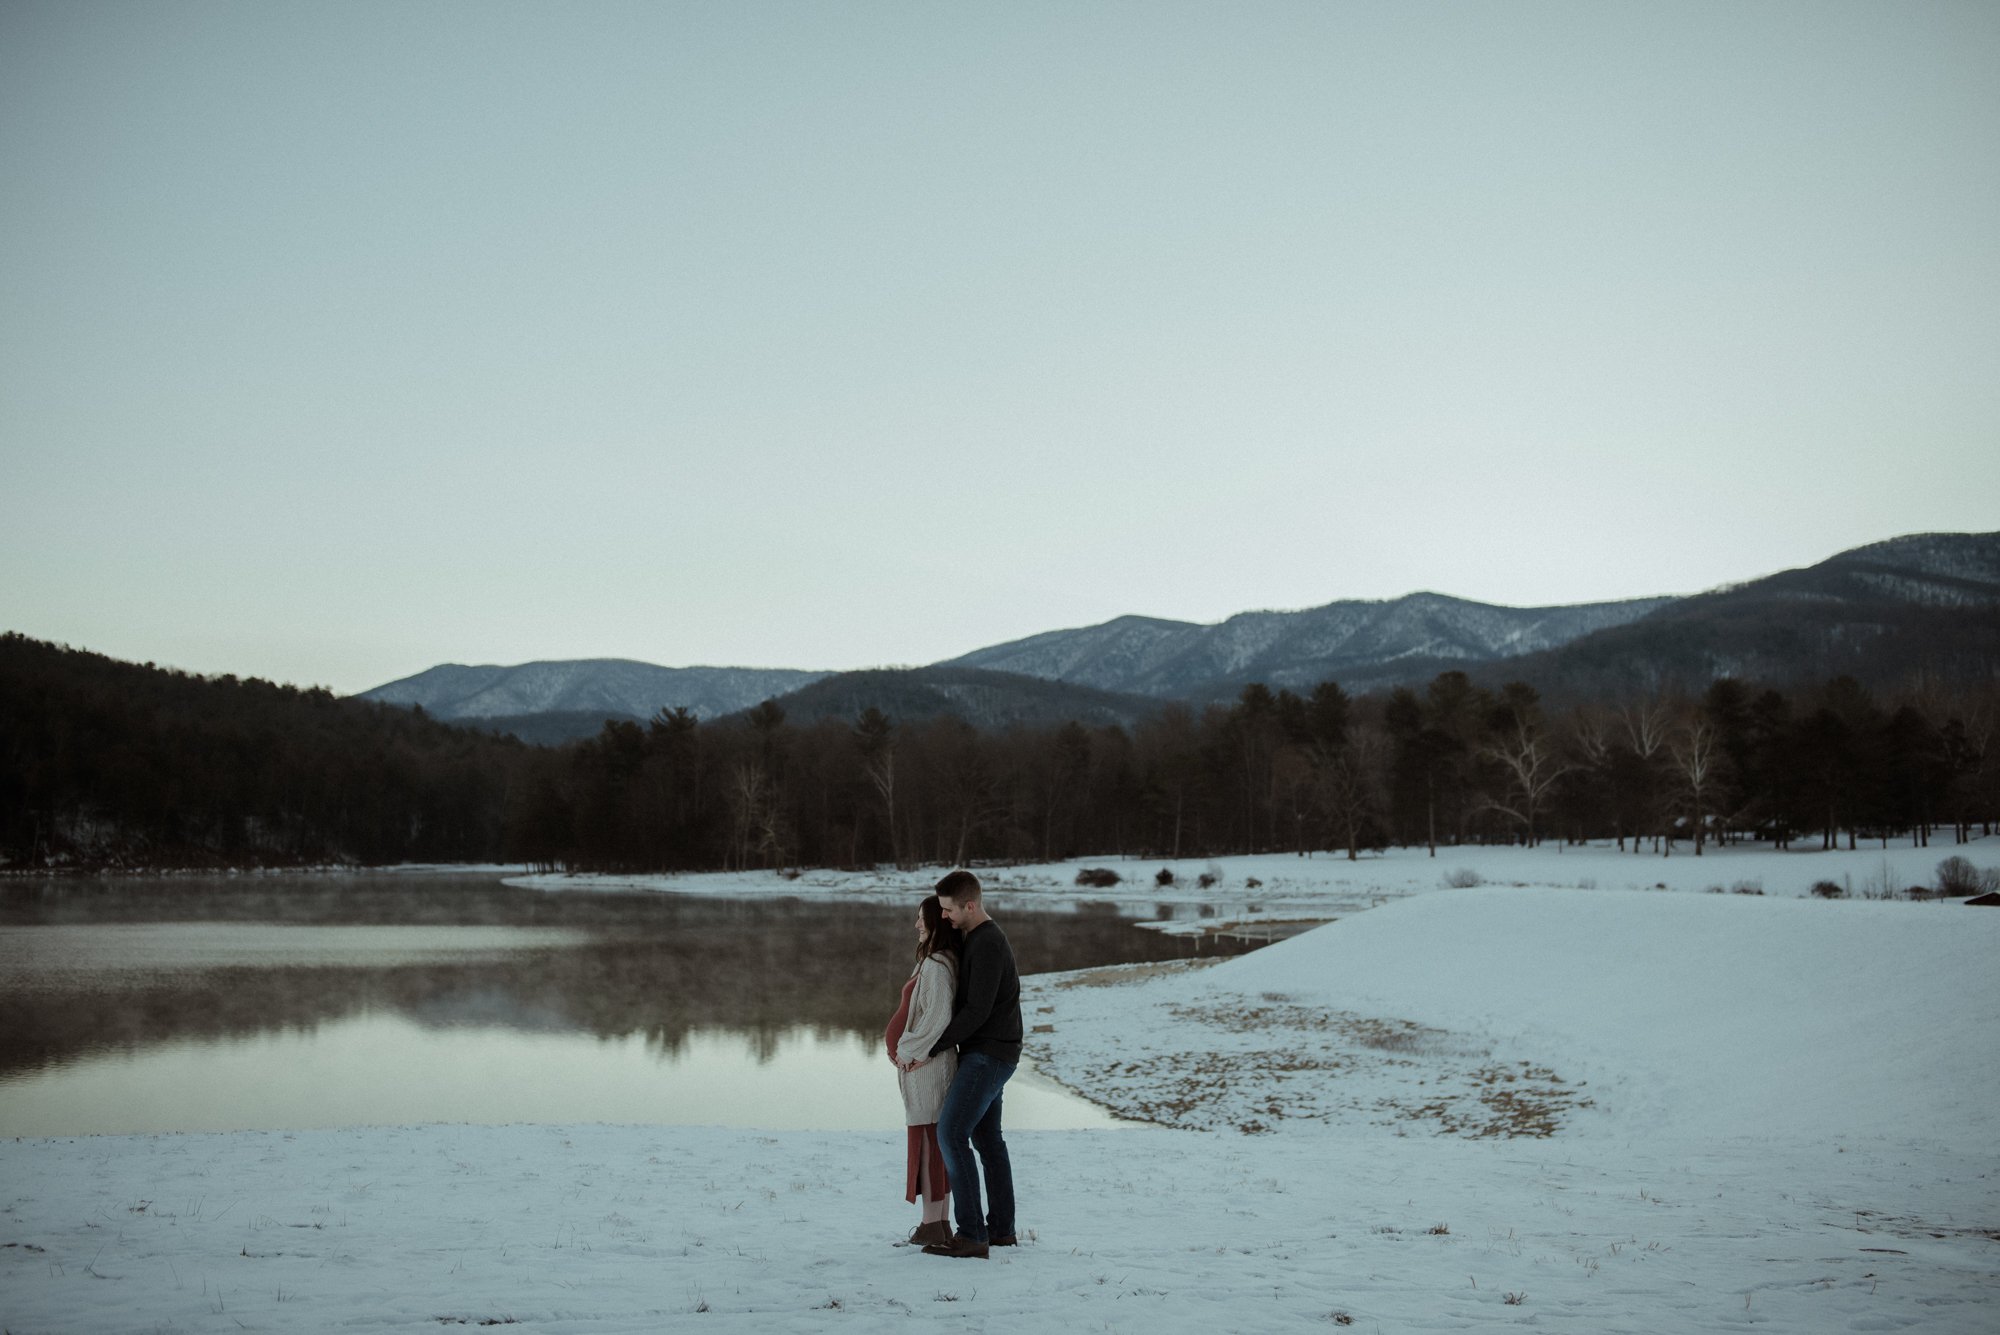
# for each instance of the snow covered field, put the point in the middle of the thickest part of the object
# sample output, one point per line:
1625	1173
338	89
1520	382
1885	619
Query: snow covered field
1284	886
1593	1109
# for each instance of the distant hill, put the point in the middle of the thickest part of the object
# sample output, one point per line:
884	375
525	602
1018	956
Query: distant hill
110	764
1881	612
1354	641
1926	603
604	687
984	699
1922	569
548	729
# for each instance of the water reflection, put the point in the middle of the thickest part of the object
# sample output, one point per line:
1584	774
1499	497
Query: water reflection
382	1068
282	1003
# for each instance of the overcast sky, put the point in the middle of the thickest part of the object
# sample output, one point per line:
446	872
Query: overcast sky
338	340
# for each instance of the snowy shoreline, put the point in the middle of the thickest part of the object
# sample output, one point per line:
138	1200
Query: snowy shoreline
1585	1109
636	1229
1269	888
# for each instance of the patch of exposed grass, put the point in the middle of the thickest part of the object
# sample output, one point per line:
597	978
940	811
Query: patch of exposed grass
1118	974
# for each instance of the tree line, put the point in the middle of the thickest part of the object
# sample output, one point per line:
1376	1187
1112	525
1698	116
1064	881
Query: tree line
1449	763
112	763
108	763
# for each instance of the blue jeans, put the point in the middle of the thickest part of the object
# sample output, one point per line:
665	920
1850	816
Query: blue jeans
971	1113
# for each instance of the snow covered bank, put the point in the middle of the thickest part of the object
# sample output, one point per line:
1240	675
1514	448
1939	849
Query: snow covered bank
1614	1012
1283	886
610	1230
1716	1015
1660	1113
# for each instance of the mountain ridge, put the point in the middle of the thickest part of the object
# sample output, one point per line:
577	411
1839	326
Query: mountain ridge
1927	602
1175	659
1934	597
620	686
980	696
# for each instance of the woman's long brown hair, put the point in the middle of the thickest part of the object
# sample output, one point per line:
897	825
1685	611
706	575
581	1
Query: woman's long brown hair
940	936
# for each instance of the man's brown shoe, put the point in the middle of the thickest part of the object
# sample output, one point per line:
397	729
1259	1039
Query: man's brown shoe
959	1246
1004	1240
926	1234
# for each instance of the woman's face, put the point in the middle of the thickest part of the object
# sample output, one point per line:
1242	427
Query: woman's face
923	933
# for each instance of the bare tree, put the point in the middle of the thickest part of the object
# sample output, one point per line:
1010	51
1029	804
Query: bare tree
1695	756
1531	765
1352	787
974	801
1169	748
1293	777
1065	762
1968	723
1254	731
1646	729
881	770
1590	734
876	735
756	820
748	787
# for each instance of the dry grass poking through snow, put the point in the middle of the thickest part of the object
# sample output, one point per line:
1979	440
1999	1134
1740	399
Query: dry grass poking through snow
1118	974
1152	1045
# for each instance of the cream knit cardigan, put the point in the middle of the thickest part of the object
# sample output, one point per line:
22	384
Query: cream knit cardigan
930	1011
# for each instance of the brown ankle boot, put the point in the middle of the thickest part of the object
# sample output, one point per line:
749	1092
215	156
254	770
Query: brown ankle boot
926	1234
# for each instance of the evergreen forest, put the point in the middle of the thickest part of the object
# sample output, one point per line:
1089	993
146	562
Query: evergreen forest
106	765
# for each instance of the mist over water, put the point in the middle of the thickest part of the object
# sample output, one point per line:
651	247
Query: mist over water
289	1002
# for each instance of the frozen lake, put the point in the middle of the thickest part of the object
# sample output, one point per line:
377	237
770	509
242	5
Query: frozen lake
211	1004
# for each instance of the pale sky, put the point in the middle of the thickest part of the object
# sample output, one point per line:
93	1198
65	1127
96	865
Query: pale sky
338	340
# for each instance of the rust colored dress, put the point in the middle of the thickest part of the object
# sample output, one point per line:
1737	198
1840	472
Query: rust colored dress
923	1141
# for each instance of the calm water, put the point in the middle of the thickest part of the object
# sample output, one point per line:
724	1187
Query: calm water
284	1003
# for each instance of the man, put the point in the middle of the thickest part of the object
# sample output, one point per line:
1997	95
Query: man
986	1029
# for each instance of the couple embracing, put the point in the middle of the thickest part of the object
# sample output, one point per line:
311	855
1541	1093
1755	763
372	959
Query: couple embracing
955	1039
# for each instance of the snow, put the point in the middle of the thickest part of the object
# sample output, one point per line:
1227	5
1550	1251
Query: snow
1329	886
633	1229
1717	1012
615	685
1972	557
1297	648
1603	1109
1700	1016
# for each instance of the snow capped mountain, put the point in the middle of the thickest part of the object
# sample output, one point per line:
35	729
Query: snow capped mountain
1927	599
606	685
1967	556
1929	603
1836	608
1126	647
1167	658
1933	569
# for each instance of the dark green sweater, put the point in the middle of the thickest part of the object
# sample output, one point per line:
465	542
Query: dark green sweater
986	1013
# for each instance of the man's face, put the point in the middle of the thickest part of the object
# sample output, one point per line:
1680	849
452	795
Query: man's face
954	911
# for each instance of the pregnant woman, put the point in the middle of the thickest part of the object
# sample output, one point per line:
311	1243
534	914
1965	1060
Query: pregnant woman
922	1016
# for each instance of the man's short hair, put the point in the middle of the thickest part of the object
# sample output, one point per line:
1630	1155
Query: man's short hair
961	887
